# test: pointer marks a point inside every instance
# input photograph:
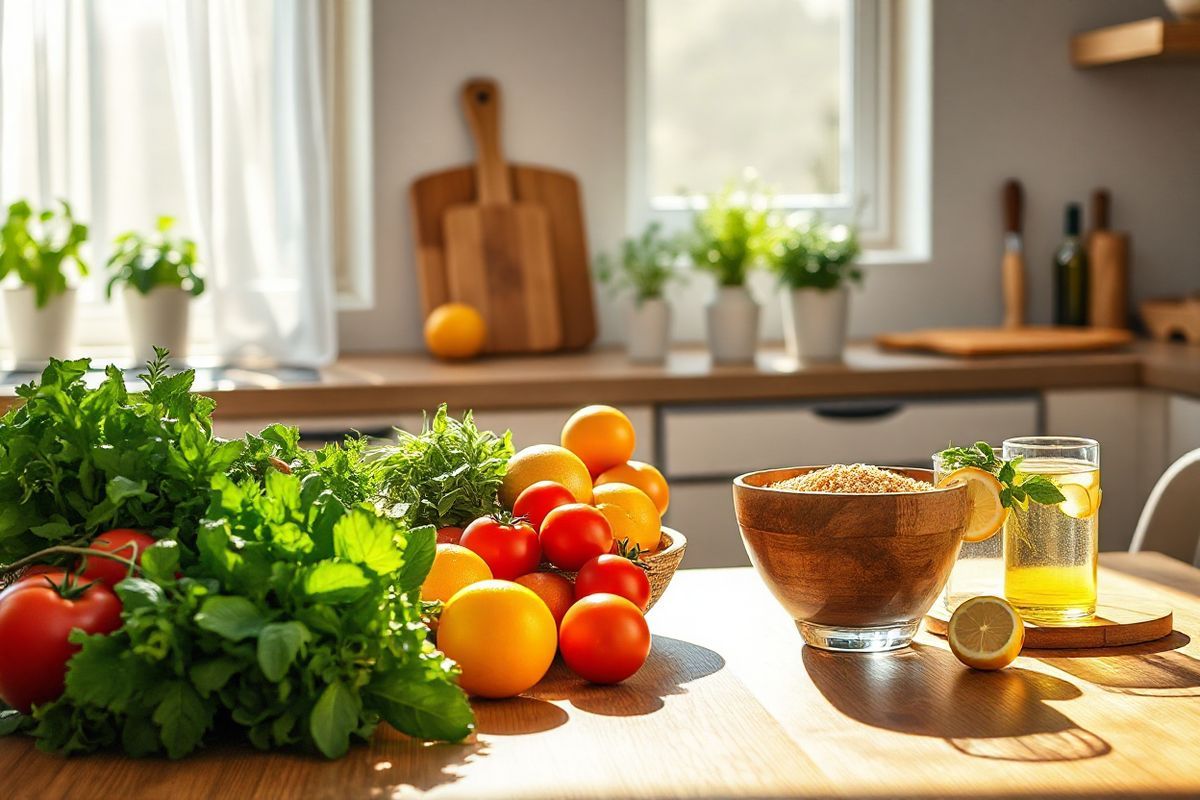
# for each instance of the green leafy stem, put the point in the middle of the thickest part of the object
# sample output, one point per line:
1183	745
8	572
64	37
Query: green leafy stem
1013	491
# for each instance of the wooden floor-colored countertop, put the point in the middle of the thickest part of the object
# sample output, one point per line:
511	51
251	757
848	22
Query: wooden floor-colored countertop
365	385
731	704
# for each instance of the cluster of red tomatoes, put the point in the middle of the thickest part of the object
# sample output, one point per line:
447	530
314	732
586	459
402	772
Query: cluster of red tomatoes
39	611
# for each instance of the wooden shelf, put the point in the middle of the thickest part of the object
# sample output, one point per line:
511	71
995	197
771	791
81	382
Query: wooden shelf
1147	38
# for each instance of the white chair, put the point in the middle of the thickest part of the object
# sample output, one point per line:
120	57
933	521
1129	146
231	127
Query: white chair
1170	521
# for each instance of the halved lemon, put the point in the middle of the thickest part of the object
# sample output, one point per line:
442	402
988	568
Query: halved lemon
986	633
983	493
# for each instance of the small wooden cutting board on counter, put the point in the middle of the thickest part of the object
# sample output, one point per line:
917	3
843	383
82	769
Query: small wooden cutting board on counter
972	342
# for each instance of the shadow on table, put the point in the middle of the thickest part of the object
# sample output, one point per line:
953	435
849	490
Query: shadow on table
1154	669
672	664
399	763
925	691
516	715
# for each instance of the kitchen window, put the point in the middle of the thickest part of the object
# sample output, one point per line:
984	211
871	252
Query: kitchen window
793	90
248	123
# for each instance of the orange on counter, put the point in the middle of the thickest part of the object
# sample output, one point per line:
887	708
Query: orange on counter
601	436
545	462
554	590
501	634
455	330
642	475
631	513
454	568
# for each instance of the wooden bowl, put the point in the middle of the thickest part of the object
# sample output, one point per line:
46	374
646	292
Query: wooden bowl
856	571
662	563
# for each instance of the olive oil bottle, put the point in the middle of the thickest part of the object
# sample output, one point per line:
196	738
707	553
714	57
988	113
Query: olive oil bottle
1071	274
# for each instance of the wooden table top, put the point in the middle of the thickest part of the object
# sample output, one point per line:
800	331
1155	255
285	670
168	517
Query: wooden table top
731	704
386	384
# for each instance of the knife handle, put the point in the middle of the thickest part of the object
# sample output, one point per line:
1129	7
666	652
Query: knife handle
481	104
1013	286
1100	210
1012	206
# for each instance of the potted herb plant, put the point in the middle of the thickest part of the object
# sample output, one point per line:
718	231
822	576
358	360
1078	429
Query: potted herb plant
815	263
159	275
36	248
727	238
646	267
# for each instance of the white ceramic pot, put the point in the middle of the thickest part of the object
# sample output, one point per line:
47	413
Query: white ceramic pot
649	331
39	334
159	317
814	323
732	326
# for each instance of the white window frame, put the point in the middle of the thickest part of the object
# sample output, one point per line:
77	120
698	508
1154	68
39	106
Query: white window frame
866	129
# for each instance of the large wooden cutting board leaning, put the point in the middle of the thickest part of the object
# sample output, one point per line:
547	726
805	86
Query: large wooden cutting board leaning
970	342
460	229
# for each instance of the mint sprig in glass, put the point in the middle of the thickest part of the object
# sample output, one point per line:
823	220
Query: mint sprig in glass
1014	490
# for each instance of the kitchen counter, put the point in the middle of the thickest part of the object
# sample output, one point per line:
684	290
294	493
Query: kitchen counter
363	385
731	704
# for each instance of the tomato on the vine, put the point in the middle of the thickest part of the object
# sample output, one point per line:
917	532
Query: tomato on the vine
539	499
120	542
604	638
35	621
614	575
509	548
574	534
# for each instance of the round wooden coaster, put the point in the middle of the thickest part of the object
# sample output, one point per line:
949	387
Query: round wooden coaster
1119	621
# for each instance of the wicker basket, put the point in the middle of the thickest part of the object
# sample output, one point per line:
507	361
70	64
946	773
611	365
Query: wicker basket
662	563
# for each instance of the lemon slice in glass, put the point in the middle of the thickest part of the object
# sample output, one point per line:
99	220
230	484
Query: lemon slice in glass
1079	503
986	633
983	493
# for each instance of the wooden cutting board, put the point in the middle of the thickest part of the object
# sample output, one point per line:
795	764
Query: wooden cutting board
971	342
498	254
555	191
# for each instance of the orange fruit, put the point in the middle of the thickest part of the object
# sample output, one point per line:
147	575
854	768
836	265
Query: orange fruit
454	567
501	634
601	436
545	462
554	590
987	515
986	633
631	514
642	475
455	330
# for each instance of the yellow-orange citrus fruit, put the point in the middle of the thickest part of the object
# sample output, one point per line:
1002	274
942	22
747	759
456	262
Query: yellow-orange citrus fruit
555	591
454	567
986	633
631	513
545	462
642	475
987	514
501	634
455	330
600	435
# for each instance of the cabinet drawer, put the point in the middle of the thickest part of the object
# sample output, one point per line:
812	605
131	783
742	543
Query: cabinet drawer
727	441
703	512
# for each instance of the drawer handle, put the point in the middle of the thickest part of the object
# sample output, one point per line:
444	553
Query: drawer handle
858	411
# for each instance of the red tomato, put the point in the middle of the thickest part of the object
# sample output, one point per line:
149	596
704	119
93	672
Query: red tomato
539	499
604	638
508	549
614	575
449	535
35	621
120	542
554	589
36	576
574	534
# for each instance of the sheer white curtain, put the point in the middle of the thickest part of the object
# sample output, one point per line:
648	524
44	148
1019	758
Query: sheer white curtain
212	111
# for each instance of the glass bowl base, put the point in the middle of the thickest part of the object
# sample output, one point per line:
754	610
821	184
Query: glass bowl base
858	640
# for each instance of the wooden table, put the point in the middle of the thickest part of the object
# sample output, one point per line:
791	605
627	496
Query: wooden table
731	704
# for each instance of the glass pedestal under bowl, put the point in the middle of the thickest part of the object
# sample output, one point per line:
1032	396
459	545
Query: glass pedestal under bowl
858	640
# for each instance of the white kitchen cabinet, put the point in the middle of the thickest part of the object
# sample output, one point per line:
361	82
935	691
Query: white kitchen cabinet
1131	427
703	512
1183	426
712	442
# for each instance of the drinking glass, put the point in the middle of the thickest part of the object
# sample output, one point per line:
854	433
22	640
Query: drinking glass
1050	551
980	566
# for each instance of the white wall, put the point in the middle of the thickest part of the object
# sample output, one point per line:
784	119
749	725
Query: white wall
1006	104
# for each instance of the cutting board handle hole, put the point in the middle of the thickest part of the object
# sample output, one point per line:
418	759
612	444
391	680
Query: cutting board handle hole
483	97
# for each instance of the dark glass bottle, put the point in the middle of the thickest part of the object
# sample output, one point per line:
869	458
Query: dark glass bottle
1071	274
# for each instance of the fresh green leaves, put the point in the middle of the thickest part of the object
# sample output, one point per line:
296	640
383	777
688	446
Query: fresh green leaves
37	247
448	474
333	719
278	645
646	264
145	262
814	255
729	233
1015	488
235	618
